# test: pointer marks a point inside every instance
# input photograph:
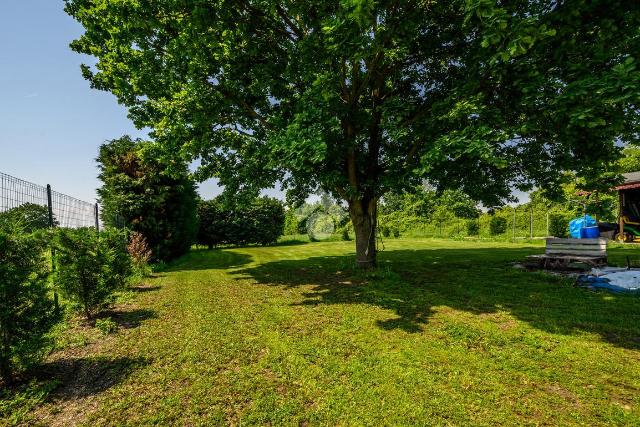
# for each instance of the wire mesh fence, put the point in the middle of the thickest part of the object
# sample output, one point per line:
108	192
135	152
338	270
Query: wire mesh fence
15	192
63	210
70	212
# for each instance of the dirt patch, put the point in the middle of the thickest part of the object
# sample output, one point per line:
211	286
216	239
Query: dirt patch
85	367
562	392
145	288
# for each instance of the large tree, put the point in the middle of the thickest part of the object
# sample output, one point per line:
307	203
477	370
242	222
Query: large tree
357	97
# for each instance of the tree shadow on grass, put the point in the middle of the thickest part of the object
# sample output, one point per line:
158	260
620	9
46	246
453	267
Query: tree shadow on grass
84	377
209	259
479	281
128	319
292	242
144	288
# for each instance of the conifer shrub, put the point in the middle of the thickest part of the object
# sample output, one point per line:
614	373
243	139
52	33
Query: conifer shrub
26	307
91	266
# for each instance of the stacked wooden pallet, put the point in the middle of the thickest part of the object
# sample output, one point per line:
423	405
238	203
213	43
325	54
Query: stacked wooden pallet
560	253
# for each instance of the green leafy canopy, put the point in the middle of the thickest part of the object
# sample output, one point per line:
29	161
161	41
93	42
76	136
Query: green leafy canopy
360	97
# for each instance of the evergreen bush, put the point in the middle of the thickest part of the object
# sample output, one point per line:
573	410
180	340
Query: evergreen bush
29	217
149	195
90	266
473	227
26	308
497	225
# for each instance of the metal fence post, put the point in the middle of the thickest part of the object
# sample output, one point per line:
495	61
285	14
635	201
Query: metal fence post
514	224
53	250
531	223
95	210
547	224
49	206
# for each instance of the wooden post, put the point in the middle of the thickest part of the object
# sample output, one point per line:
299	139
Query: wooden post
620	213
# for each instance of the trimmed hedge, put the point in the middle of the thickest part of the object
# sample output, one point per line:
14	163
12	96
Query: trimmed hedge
261	221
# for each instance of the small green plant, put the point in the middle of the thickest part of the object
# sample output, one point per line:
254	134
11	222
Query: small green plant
90	266
497	225
345	234
559	225
473	227
26	309
385	231
395	232
158	267
106	326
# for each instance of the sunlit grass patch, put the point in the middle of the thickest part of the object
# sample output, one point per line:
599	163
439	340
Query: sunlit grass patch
444	332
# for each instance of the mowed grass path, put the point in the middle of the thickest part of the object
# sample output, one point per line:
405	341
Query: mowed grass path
444	333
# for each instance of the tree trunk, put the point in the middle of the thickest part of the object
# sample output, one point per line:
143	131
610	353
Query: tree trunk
86	310
363	215
5	362
5	372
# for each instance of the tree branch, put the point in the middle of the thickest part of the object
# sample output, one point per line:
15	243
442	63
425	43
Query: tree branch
244	105
283	14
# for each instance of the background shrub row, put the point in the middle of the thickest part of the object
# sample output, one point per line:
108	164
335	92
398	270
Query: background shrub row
259	221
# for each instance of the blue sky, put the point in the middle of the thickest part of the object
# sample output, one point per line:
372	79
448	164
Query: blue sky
51	121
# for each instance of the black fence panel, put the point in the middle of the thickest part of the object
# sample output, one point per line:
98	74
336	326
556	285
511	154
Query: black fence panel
15	192
65	211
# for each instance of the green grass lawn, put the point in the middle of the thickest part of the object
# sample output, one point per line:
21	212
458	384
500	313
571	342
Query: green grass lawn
444	333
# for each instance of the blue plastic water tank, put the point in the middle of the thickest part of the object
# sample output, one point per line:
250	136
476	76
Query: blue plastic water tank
590	233
576	226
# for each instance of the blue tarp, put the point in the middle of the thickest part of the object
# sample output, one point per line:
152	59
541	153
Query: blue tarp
609	284
579	223
614	279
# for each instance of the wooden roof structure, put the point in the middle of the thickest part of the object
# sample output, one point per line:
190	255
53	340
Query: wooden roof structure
631	181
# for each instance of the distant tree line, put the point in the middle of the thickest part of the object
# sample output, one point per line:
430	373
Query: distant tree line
324	219
401	212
